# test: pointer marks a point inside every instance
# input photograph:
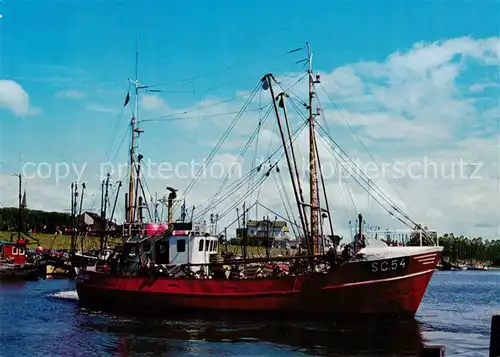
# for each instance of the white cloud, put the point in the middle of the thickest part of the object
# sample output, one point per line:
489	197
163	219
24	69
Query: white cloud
14	98
481	86
70	94
99	108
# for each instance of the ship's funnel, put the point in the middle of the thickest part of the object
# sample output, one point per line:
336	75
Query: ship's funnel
171	197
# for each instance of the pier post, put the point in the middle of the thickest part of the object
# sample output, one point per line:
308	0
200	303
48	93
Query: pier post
495	336
432	351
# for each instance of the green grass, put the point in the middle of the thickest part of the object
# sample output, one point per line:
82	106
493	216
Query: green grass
61	241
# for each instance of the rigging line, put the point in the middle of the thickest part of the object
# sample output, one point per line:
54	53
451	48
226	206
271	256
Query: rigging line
360	172
215	202
221	141
289	88
260	181
258	168
168	118
342	160
236	219
200	93
371	184
297	226
202	107
254	159
244	150
125	134
225	70
359	139
239	184
230	193
294	136
241	199
369	192
115	128
171	116
235	185
345	188
238	201
289	208
268	151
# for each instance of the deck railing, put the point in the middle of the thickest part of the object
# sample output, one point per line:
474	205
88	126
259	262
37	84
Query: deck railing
402	235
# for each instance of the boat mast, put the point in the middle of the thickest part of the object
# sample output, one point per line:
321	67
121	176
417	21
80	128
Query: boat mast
133	122
134	174
313	174
20	223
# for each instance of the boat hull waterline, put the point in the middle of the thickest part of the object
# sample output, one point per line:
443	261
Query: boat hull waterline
390	286
19	272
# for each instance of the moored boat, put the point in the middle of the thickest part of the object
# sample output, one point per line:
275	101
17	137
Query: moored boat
179	267
13	264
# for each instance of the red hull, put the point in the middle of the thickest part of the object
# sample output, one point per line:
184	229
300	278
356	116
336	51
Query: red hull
353	288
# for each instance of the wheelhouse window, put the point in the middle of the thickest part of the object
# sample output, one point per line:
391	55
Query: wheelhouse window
181	245
21	251
14	251
215	246
200	247
211	245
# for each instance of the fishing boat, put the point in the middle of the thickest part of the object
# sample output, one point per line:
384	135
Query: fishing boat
13	264
13	254
176	266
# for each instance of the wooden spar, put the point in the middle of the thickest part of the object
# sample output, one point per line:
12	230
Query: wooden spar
74	195
106	197
131	184
80	210
269	79
327	206
170	201
104	206
113	211
102	197
313	175
137	184
294	160
245	231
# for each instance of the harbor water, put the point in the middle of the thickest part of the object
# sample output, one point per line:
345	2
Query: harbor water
43	319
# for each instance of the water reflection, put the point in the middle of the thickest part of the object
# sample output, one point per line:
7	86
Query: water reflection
13	284
192	334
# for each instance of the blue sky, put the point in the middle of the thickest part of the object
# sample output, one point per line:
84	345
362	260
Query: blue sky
73	59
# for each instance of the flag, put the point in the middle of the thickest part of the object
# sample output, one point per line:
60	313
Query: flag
281	104
265	83
127	99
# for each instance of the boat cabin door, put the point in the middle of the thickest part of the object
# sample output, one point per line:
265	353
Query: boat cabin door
179	250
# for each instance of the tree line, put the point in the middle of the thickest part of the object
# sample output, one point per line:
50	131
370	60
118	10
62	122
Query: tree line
464	249
40	221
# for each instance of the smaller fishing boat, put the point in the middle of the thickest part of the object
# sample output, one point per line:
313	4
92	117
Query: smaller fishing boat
13	264
477	267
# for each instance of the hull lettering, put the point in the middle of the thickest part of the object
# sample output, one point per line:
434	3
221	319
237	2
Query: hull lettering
386	265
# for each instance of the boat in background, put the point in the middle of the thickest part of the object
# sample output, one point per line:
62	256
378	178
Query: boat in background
477	267
179	268
13	263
